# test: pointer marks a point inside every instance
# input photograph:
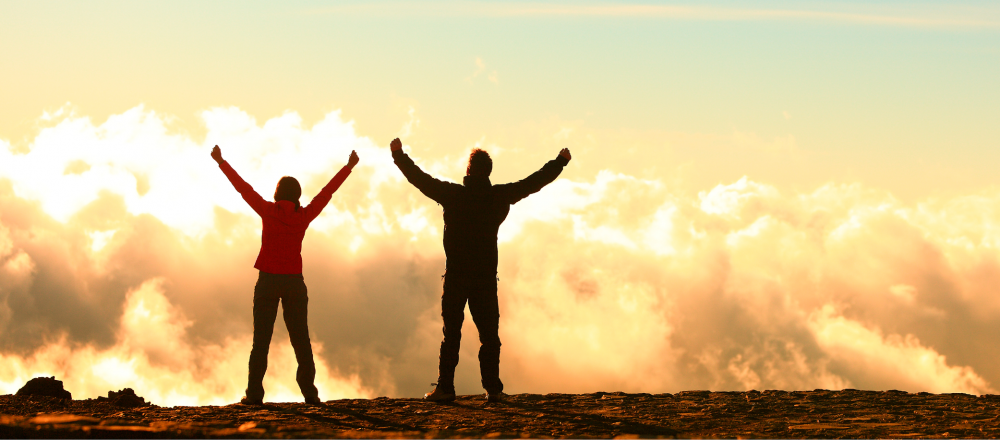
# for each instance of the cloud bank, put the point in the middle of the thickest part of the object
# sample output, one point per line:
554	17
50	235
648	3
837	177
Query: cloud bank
126	260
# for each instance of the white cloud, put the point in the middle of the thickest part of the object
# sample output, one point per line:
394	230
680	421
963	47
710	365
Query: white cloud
898	361
153	357
611	282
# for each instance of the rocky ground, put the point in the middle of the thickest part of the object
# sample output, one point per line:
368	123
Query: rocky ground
813	414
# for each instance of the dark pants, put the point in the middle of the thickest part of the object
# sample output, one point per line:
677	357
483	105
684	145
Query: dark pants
481	294
291	291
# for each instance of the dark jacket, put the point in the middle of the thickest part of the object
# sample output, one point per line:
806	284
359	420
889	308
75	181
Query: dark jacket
473	212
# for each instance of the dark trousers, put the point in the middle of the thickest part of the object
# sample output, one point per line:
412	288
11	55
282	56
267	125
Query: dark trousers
481	295
291	291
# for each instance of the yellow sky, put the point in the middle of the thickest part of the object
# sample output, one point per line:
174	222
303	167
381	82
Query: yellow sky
900	96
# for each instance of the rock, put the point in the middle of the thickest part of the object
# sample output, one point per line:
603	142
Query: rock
45	386
699	414
125	398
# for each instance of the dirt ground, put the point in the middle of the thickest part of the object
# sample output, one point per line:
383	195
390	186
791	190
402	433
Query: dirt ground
801	414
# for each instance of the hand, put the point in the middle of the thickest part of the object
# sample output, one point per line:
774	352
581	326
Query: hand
353	159
565	153
395	145
217	155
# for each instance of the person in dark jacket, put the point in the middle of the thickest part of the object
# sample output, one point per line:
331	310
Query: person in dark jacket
473	213
280	265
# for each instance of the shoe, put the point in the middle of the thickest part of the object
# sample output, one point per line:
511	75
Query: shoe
495	396
439	395
314	400
248	401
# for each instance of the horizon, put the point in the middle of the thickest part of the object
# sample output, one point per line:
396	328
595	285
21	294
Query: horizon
783	195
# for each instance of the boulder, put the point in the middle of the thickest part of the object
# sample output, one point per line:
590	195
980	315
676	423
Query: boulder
44	386
126	398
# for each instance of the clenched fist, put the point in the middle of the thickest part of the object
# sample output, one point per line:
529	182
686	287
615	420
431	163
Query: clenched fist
353	159
217	155
565	153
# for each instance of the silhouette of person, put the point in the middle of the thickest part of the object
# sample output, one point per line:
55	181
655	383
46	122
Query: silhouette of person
473	212
280	265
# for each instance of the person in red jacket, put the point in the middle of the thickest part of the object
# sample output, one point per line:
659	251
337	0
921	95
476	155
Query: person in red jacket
280	265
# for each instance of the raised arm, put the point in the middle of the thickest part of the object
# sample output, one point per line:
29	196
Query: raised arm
256	202
515	191
436	189
323	198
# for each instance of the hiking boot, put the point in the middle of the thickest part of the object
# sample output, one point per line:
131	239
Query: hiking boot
440	394
248	401
495	396
314	400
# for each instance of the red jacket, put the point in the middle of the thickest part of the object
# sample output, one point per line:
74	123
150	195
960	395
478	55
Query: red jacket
284	226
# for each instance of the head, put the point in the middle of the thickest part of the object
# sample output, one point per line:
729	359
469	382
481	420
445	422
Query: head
288	189
480	164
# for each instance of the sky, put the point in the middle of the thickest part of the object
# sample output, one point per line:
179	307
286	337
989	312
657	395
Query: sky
763	195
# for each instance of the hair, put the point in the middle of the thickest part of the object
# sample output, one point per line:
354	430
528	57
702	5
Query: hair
288	189
480	164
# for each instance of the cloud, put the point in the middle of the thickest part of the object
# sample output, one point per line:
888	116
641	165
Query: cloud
928	16
905	363
481	70
151	356
609	282
408	126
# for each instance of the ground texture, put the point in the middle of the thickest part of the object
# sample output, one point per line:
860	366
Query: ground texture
807	414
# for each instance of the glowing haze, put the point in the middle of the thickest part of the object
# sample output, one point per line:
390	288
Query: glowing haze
793	195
